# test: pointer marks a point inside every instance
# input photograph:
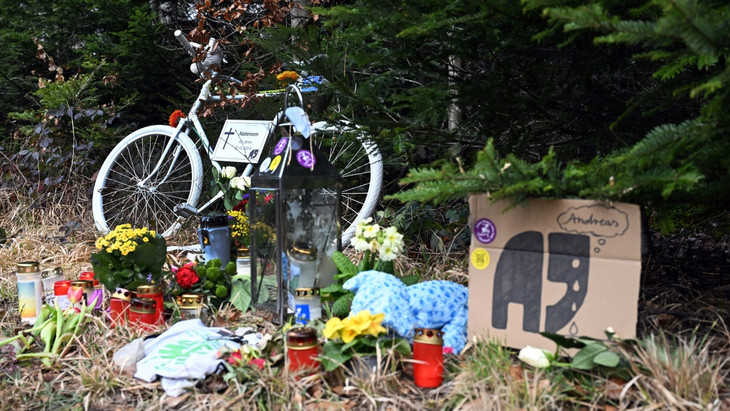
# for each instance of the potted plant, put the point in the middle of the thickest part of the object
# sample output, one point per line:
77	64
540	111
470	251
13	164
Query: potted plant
128	257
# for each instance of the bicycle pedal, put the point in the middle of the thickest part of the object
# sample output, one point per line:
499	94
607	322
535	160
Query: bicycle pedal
185	210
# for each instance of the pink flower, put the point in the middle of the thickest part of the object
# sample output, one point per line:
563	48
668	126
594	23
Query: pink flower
448	350
75	294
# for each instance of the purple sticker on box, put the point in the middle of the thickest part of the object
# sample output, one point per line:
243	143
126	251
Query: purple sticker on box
280	146
305	158
485	231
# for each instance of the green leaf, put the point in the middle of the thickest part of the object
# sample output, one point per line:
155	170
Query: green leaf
333	355
584	359
410	279
607	359
341	307
241	292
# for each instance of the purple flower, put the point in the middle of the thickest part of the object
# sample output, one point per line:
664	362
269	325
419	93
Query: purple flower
149	277
96	297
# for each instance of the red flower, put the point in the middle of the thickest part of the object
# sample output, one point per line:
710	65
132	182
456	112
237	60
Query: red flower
257	362
175	117
186	276
235	358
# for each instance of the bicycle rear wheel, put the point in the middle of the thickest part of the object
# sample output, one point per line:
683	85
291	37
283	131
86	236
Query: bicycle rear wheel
361	166
127	190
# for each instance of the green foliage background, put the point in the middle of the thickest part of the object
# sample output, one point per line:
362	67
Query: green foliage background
612	99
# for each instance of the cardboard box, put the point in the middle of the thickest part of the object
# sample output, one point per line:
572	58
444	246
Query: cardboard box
571	267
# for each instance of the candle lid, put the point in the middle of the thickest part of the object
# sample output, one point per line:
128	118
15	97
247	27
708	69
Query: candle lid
89	276
148	289
82	283
189	300
25	267
428	336
301	338
306	292
122	294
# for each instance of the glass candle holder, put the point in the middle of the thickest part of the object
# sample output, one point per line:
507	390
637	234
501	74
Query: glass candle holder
30	292
119	306
154	292
307	305
49	281
190	306
302	348
60	292
142	313
428	369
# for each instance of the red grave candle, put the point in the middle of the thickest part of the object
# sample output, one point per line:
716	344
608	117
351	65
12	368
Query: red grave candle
302	348
119	306
428	369
142	313
154	292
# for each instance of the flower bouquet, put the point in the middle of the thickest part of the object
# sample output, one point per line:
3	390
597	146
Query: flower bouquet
379	247
359	335
234	187
129	257
210	279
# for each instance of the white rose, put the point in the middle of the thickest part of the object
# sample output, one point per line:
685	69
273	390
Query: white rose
235	182
535	357
228	172
243	183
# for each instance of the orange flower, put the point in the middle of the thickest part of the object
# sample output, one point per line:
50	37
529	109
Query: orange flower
175	117
287	75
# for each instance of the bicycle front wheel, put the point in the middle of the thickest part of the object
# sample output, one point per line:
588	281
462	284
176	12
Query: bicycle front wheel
136	185
361	167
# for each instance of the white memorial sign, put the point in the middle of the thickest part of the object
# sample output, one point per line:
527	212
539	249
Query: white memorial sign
242	141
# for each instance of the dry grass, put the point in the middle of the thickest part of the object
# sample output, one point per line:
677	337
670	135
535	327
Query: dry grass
684	371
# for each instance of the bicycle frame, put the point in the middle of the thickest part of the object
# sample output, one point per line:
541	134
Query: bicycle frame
192	121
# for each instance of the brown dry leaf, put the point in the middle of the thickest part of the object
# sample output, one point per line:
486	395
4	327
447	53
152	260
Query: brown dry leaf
614	387
339	390
609	407
516	372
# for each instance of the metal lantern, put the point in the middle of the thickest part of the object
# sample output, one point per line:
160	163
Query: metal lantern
294	213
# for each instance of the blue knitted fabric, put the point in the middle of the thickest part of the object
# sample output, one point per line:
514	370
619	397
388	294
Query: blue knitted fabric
430	304
441	304
382	293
